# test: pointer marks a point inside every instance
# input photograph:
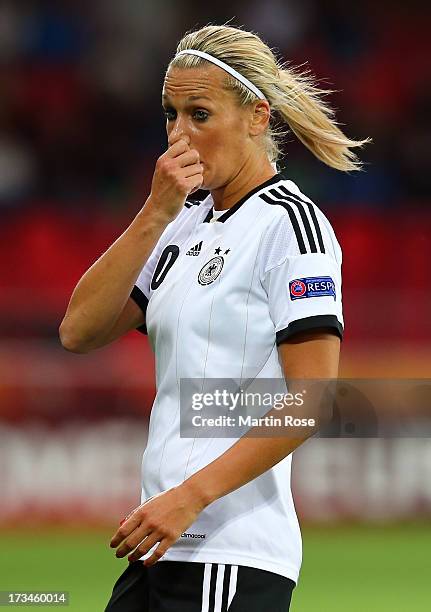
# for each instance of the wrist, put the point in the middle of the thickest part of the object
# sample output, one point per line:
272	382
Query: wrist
195	489
158	212
150	220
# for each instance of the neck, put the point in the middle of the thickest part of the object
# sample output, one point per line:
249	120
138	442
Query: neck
251	175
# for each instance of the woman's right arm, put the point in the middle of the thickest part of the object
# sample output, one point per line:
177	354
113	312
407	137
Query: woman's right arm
100	309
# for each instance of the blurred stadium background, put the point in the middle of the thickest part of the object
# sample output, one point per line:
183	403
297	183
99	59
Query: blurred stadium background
80	129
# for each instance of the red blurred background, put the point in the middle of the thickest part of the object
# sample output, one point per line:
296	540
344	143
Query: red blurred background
80	130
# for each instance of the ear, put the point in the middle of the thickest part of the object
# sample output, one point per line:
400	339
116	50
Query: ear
260	116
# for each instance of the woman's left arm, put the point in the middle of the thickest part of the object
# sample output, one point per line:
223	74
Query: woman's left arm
165	517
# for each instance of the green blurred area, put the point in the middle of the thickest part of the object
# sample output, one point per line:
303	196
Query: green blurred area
354	568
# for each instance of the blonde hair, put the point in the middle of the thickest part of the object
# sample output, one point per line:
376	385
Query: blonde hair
291	93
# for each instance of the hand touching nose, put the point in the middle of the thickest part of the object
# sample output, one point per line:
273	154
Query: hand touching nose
178	173
177	135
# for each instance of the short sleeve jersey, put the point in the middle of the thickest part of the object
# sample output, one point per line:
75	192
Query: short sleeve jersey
220	292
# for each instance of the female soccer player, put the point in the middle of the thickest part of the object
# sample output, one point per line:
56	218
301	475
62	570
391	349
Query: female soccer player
244	285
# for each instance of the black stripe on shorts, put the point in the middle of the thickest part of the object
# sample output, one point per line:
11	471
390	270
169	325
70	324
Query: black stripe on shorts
173	586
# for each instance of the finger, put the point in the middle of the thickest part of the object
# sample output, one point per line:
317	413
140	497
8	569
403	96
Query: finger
179	147
193	170
176	136
188	158
125	530
194	183
144	547
195	189
133	541
124	519
158	553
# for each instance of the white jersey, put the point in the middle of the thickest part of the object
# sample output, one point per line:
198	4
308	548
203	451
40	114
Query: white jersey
219	295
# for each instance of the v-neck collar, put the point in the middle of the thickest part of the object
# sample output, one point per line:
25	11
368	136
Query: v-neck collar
232	210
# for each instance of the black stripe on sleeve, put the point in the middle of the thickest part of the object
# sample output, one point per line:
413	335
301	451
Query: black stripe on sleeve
317	226
141	300
225	591
293	220
329	322
303	215
312	215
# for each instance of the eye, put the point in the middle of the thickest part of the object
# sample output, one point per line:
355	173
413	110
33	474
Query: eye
200	115
169	113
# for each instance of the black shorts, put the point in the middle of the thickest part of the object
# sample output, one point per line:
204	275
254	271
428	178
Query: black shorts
176	586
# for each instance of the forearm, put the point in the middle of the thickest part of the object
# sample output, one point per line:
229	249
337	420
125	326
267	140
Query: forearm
102	292
309	357
244	461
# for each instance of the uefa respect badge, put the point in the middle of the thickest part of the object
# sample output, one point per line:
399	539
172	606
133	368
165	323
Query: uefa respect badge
313	286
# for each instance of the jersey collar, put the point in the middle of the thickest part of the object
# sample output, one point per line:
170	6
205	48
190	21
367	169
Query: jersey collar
232	210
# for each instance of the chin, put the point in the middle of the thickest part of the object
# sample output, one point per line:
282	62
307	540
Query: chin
212	183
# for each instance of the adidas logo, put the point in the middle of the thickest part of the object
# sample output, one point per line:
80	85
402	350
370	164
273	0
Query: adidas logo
194	251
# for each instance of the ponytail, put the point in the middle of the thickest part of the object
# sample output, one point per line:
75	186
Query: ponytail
301	105
293	94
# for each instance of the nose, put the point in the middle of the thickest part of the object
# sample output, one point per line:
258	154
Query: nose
178	132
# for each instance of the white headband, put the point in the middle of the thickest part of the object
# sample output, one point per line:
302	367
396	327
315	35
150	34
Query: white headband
226	68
